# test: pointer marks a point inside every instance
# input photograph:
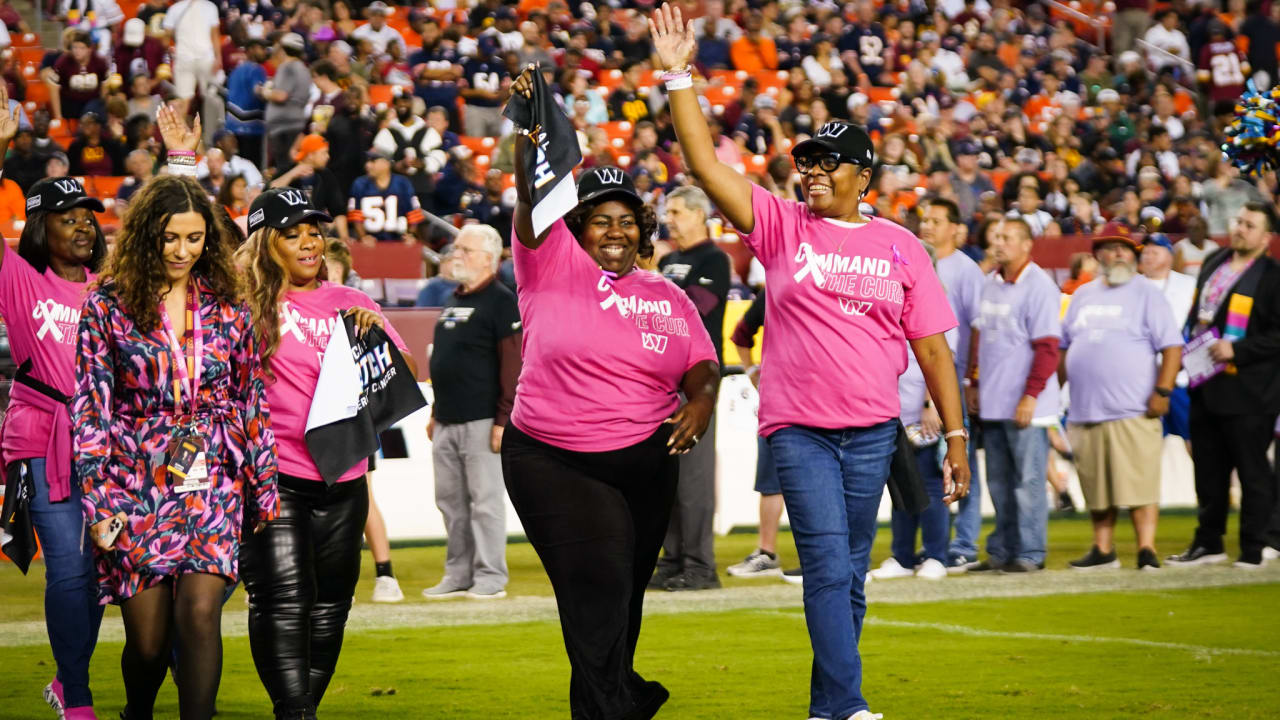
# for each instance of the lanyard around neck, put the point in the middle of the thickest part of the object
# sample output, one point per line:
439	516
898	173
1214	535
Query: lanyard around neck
187	354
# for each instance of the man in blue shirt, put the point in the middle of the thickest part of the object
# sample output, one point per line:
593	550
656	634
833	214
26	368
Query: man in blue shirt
244	106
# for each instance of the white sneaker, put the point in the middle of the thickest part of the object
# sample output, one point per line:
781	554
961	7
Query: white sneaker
890	569
386	589
757	564
867	714
1269	554
931	569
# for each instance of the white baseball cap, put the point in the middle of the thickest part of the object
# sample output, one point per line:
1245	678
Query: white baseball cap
135	32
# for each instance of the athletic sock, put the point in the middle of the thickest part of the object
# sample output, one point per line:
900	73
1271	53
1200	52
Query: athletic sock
383	569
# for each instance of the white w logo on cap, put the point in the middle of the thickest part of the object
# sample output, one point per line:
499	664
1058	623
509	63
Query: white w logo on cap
68	186
610	176
832	130
293	197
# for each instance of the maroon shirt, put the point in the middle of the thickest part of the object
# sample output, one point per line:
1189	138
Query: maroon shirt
145	58
80	83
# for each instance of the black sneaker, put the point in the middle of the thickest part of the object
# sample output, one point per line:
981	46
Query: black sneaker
959	564
1095	559
1147	559
793	576
661	576
1198	555
693	580
986	566
1019	565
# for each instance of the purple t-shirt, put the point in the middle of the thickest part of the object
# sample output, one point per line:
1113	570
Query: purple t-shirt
42	313
602	362
1013	314
963	280
911	385
843	301
1110	335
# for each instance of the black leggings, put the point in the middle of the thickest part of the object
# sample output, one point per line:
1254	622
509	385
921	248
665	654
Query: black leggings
187	609
597	521
300	572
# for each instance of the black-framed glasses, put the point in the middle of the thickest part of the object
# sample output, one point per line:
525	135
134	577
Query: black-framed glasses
828	162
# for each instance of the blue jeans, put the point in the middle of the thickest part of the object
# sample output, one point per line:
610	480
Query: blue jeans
832	482
1016	459
968	519
934	522
71	610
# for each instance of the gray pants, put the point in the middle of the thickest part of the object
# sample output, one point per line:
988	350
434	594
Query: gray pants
1127	28
471	496
689	544
482	121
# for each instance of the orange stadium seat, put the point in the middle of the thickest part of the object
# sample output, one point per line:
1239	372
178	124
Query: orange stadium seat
720	95
617	130
733	78
37	95
998	179
478	145
32	55
609	80
380	95
105	186
26	40
882	94
771	79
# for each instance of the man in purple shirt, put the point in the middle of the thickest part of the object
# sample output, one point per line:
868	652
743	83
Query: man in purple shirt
1016	335
1113	328
941	227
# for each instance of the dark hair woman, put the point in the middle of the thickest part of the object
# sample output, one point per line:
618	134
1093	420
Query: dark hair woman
847	294
172	441
301	570
42	287
589	453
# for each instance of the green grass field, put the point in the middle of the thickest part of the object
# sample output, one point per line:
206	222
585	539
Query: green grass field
1060	644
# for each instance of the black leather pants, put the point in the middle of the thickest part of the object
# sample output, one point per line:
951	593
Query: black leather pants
300	572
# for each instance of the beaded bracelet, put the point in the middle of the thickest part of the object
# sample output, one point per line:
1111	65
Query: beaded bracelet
678	79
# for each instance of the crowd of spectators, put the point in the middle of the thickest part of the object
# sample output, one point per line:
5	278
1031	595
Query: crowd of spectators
394	112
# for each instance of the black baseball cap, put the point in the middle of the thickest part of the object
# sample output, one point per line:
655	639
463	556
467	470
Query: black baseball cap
282	208
598	182
843	138
60	195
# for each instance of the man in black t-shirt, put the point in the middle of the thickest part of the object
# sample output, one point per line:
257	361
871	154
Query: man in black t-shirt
475	360
702	269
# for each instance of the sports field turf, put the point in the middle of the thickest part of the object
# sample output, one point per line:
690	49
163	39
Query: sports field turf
1200	643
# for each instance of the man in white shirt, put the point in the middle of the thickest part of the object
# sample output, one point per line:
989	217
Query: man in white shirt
1179	290
1029	211
197	46
1160	143
1166	36
715	24
377	32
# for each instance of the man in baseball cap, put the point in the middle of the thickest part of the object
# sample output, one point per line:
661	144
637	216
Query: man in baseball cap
281	208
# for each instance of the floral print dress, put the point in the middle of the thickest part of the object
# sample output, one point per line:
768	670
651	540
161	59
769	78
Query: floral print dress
124	417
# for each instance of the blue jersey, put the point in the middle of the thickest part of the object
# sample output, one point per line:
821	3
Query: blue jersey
385	213
484	75
868	42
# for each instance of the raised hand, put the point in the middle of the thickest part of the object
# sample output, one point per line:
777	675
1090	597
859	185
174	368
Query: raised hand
673	39
8	123
174	130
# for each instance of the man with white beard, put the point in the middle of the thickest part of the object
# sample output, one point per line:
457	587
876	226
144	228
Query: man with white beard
1156	265
1114	328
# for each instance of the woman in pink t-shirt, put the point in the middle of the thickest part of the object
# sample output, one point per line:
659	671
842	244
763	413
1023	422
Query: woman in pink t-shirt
846	296
301	570
42	287
590	452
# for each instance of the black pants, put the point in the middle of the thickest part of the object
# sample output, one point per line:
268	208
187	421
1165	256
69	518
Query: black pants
300	572
597	521
1220	444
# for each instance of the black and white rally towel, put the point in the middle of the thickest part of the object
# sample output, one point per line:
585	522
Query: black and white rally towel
549	165
364	388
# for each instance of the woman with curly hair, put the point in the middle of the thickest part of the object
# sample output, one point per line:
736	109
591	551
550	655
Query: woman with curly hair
301	570
589	454
172	442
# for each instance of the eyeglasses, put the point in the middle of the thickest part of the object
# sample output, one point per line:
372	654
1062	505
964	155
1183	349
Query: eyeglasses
828	162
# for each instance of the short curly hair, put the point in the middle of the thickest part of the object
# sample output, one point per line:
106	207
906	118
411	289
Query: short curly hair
646	218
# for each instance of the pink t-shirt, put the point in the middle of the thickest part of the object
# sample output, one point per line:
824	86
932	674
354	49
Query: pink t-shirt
307	318
42	314
602	363
843	300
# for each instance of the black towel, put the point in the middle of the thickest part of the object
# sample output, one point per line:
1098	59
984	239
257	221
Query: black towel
549	164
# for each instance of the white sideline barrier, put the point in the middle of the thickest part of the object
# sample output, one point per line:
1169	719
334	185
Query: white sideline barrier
404	488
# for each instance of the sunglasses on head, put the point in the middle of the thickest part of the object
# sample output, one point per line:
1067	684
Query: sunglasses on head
827	161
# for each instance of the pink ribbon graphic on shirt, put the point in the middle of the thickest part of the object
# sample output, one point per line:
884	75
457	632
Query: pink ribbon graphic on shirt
811	266
606	284
289	323
897	256
44	312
